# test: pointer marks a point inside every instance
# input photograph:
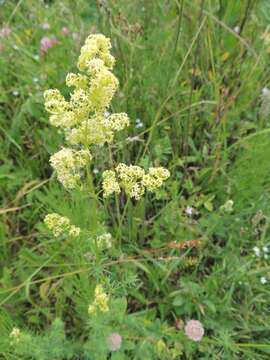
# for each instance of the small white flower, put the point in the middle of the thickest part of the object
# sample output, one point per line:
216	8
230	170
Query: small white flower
139	125
45	26
95	171
15	93
236	29
263	280
257	251
36	57
265	249
189	210
35	79
107	114
265	91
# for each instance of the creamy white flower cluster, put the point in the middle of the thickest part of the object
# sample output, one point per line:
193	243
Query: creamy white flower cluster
69	165
104	241
100	302
86	121
83	116
60	225
133	180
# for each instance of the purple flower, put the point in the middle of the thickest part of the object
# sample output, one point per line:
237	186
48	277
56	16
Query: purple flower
194	330
46	43
114	342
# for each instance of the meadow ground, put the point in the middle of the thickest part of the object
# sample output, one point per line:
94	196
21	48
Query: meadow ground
193	79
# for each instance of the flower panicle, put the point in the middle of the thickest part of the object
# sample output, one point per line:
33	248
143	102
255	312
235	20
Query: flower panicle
133	180
60	225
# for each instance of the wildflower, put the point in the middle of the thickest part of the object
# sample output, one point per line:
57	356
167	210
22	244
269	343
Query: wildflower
15	93
265	91
95	171
5	32
97	129
155	178
227	207
236	29
35	79
95	47
114	342
139	124
100	302
36	57
133	180
75	36
46	43
74	231
45	26
189	210
102	89
160	347
65	31
257	251
60	225
194	330
15	335
68	164
86	121
263	280
104	241
265	249
110	184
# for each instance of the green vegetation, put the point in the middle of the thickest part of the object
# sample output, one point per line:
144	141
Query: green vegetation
193	80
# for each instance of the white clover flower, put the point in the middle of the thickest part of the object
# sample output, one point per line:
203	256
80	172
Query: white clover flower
257	251
114	342
194	330
189	211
